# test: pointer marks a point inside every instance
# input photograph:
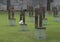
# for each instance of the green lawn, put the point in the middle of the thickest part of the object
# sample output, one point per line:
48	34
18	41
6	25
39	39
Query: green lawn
13	34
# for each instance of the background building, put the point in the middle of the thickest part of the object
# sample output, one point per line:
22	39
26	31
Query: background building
17	3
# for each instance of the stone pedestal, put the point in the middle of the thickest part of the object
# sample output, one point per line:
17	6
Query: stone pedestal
44	21
12	22
23	27
56	19
40	33
32	19
59	12
46	13
27	13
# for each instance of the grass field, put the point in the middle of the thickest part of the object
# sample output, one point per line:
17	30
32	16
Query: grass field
13	34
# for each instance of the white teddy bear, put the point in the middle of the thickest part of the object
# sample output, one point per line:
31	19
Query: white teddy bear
21	22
